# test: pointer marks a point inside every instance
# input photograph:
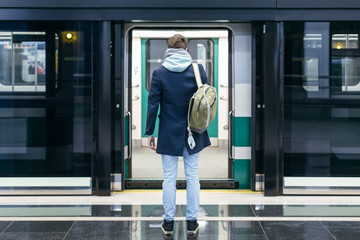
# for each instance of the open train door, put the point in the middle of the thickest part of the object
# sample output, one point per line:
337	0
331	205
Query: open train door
225	53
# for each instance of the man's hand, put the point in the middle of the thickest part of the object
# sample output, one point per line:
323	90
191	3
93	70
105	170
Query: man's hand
151	142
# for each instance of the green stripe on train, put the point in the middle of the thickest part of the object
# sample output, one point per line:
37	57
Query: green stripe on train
145	93
241	137
242	172
241	131
126	131
213	128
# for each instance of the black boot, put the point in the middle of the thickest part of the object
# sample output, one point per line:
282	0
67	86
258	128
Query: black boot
192	228
167	228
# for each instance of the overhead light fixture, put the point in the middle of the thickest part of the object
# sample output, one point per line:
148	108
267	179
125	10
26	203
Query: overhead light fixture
69	36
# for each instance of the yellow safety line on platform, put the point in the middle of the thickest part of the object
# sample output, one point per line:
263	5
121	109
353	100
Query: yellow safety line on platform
228	191
183	190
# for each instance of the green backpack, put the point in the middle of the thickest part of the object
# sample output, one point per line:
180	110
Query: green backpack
202	107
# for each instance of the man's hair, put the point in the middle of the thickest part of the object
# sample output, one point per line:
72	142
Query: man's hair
177	41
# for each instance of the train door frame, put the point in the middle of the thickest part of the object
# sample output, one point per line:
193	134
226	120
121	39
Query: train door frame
267	108
240	153
258	106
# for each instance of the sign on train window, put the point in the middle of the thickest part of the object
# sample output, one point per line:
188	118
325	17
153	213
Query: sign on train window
311	64
201	51
23	61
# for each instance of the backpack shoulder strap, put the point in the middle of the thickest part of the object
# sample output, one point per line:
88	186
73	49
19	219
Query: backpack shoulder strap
197	75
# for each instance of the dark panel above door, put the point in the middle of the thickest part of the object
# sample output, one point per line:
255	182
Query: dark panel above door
49	4
318	4
191	4
137	4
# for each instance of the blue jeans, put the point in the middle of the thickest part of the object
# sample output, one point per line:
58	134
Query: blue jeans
170	167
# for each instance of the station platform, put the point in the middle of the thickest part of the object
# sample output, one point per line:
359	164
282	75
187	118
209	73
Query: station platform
137	214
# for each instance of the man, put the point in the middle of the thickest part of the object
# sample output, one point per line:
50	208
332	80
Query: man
172	86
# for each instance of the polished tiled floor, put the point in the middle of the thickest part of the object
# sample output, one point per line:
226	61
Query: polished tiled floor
217	222
206	212
106	230
137	215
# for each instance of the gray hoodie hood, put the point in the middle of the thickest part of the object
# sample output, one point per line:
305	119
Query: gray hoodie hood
177	59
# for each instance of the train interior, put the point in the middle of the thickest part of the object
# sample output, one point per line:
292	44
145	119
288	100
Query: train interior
209	48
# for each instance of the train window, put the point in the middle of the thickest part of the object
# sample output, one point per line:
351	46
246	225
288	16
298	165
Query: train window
340	41
22	64
345	62
46	88
319	123
5	56
155	50
312	44
201	51
346	70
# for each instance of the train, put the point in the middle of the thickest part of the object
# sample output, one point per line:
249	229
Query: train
74	81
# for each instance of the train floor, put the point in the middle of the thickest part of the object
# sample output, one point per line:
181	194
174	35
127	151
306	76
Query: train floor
213	163
137	214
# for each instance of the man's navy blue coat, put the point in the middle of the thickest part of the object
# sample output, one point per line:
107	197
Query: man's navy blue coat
173	90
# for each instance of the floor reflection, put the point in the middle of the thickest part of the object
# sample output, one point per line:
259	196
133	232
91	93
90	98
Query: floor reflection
149	230
157	211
